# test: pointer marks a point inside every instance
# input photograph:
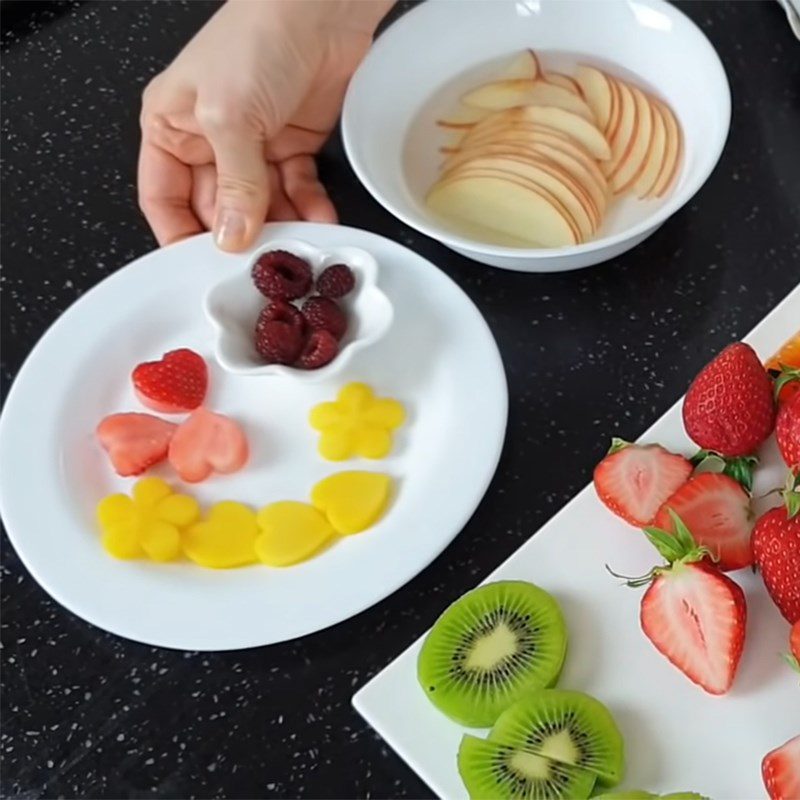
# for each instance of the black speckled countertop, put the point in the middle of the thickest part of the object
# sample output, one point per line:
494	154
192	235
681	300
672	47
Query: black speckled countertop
588	354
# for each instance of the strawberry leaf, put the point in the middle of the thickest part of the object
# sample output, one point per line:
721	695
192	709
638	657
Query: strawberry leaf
791	495
741	468
617	444
667	545
791	661
786	375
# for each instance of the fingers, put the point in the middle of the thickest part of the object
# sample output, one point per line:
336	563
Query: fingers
165	191
300	182
204	192
242	196
280	207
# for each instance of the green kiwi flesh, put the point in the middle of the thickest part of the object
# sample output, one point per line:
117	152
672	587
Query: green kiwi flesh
489	648
493	771
640	794
565	726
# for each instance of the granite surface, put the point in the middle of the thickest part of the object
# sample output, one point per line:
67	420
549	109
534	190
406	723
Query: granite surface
588	354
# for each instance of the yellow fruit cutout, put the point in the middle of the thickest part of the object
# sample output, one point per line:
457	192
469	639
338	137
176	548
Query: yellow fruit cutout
148	524
290	532
353	501
225	539
356	424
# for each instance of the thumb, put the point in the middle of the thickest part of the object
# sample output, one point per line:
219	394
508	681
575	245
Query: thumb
242	196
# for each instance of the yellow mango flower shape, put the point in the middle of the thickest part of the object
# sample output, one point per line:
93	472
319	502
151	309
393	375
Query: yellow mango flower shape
225	539
356	424
148	524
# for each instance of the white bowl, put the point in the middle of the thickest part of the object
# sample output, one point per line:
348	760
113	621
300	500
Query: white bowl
419	67
233	306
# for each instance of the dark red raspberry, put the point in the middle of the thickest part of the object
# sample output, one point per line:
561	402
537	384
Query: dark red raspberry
282	276
278	342
323	314
336	281
281	311
320	349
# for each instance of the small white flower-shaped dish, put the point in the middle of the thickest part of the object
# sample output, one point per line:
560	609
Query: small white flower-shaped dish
233	306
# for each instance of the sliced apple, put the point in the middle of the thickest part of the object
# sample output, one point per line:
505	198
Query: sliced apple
597	92
511	207
525	66
559	79
622	140
575	126
551	148
631	166
616	110
655	158
672	159
500	95
463	118
549	176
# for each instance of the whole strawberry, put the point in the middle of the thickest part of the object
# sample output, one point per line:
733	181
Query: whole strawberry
787	424
729	406
776	549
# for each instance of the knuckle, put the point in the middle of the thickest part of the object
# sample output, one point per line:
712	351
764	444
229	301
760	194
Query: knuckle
221	114
237	186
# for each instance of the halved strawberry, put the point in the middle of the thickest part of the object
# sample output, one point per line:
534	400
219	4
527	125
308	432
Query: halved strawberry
135	442
787	423
634	480
207	442
793	657
173	385
780	770
693	613
717	510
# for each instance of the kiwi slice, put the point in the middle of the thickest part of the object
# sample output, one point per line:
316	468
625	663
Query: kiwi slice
565	726
490	647
493	771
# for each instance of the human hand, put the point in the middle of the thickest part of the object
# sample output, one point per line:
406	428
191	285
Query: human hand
230	128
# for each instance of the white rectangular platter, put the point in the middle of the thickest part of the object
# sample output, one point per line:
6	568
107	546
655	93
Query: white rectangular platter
677	737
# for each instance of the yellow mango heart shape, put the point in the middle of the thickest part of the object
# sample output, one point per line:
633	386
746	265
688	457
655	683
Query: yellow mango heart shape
352	501
225	539
290	532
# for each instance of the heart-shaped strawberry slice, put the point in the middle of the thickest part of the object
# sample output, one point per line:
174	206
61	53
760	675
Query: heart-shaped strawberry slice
175	384
207	442
135	442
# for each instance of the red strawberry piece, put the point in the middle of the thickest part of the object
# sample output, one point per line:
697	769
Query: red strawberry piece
280	275
320	349
794	644
281	311
776	549
278	342
787	432
135	442
324	314
780	770
729	406
207	443
717	510
175	384
695	616
336	281
635	480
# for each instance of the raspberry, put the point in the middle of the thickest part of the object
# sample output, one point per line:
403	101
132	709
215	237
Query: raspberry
278	342
282	276
320	349
323	314
336	281
281	311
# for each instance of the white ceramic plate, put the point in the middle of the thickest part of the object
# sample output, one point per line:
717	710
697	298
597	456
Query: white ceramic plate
419	67
677	737
439	358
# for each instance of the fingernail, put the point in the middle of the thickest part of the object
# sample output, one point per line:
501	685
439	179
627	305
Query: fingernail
230	229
